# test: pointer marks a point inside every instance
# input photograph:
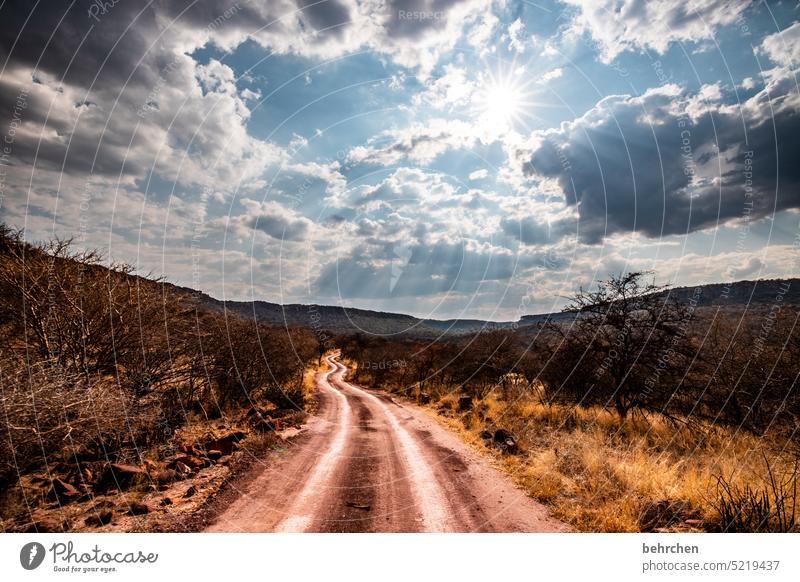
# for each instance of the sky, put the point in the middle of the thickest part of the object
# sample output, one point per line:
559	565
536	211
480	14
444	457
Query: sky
442	158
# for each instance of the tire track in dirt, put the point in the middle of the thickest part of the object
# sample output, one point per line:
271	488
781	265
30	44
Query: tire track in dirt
366	463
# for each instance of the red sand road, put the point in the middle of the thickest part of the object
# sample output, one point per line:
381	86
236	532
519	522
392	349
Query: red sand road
366	463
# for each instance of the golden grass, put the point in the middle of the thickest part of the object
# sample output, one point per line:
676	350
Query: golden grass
599	474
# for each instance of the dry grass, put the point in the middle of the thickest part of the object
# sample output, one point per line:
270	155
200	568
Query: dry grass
600	474
309	387
309	382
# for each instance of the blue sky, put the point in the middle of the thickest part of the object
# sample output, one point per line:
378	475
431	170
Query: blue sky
445	158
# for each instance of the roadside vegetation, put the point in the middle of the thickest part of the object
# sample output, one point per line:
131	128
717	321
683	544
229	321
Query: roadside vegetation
112	383
123	397
637	412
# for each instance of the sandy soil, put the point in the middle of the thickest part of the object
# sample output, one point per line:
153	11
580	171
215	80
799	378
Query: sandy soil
366	463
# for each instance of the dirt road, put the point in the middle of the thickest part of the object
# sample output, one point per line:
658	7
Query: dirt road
366	463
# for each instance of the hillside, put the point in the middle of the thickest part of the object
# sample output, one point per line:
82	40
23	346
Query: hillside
754	294
342	319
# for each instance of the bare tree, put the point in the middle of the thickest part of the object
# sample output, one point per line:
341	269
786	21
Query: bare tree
626	346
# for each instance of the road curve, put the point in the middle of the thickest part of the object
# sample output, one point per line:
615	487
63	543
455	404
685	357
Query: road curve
366	463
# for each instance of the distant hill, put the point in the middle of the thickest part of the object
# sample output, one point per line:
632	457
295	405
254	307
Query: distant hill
342	319
760	293
337	320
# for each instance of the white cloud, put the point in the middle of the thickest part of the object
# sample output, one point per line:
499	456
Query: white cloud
420	143
449	90
190	126
329	173
297	142
550	75
783	47
516	35
402	187
747	267
706	99
337	27
480	34
478	174
619	25
250	95
748	83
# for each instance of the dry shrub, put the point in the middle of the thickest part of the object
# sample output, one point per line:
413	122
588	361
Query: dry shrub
601	474
291	396
769	508
49	416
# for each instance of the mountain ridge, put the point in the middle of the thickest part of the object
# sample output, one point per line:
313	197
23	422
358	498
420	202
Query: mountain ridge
339	319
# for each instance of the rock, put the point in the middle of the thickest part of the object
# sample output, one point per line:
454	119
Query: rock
120	476
196	463
214	454
225	444
166	501
465	403
128	471
666	513
357	505
62	492
424	398
266	424
506	442
501	434
169	462
45	522
192	461
510	446
138	508
165	476
190	491
99	519
182	469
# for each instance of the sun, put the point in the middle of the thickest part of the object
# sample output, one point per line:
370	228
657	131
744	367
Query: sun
503	103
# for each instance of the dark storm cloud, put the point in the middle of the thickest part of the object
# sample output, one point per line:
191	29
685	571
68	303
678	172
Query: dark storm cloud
68	48
281	226
649	164
113	92
329	16
67	43
120	57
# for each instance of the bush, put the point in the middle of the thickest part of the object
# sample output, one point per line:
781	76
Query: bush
97	363
291	397
50	416
771	508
